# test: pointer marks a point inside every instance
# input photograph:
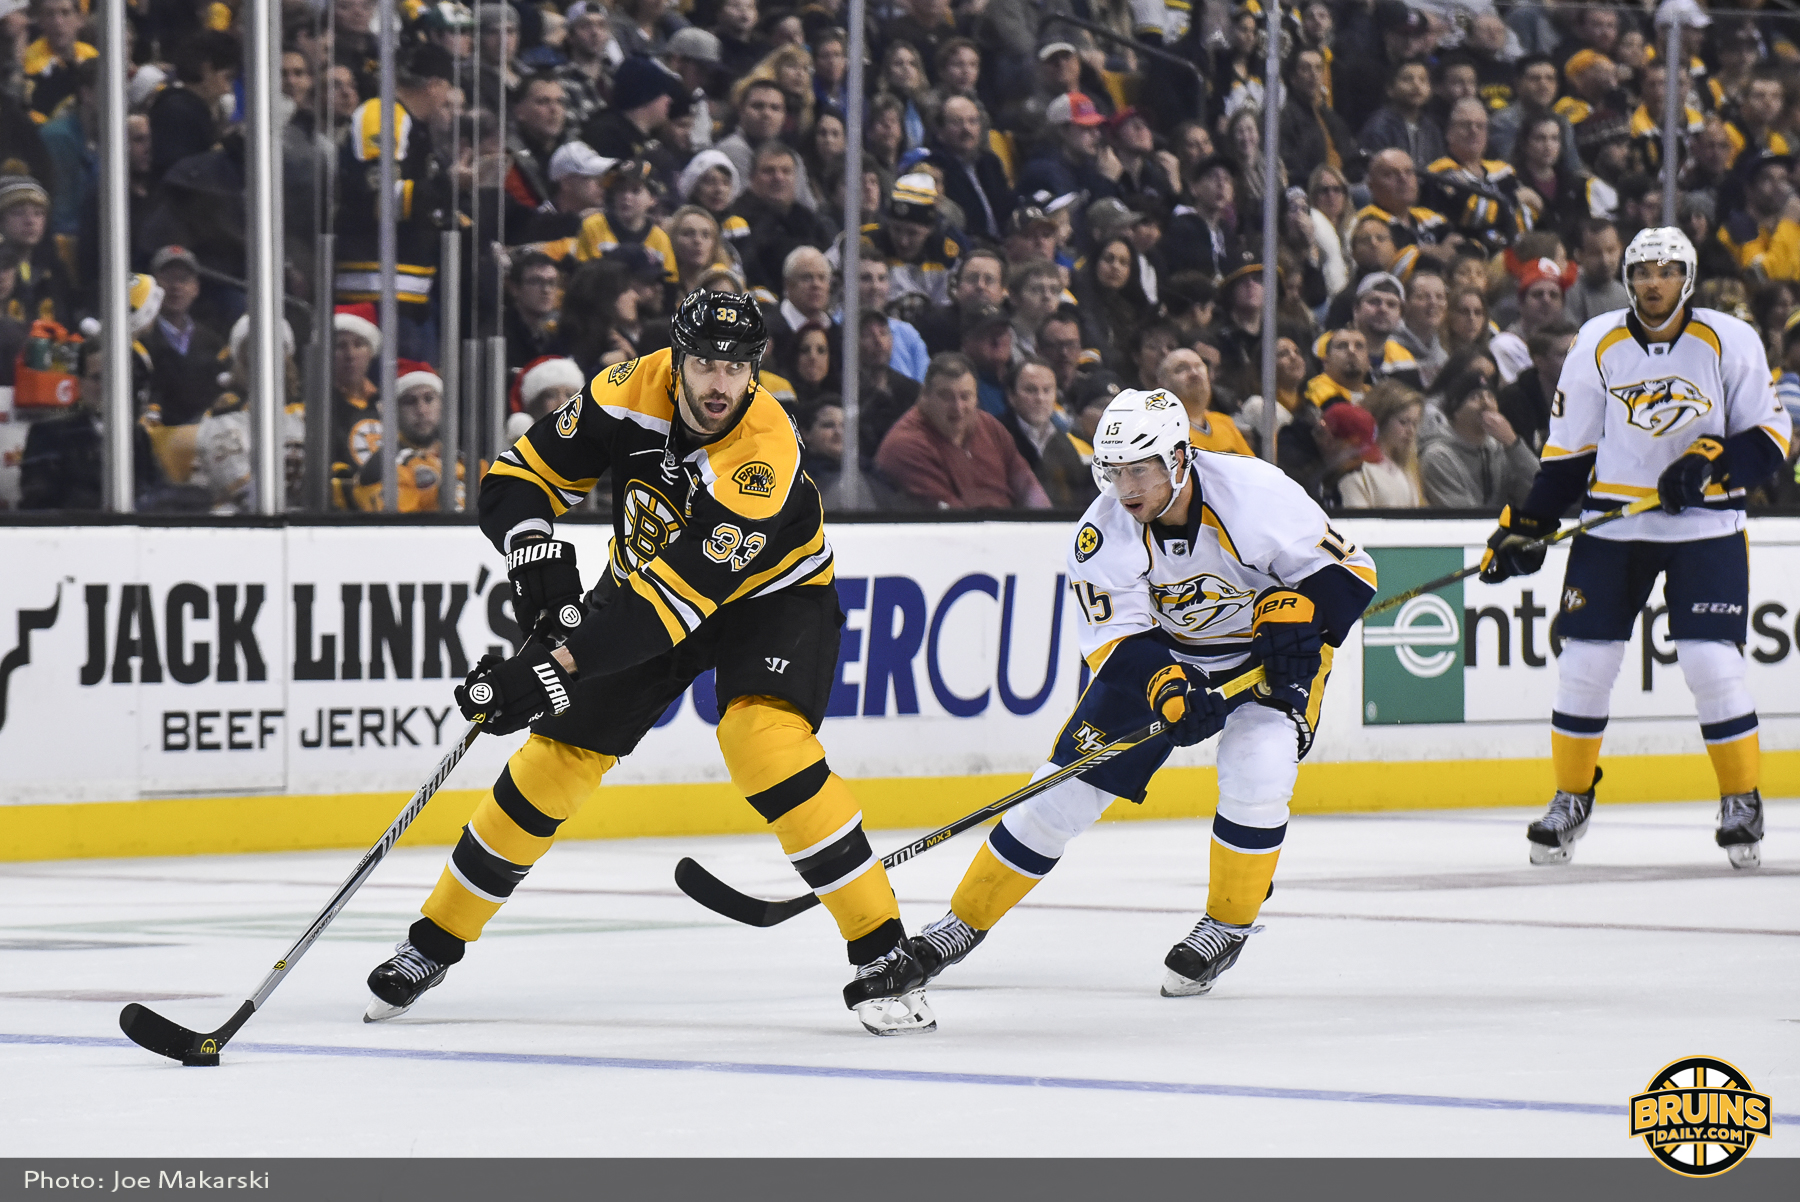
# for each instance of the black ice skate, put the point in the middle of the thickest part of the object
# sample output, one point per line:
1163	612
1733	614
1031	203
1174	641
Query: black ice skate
398	982
1194	963
943	943
888	995
1552	837
1741	828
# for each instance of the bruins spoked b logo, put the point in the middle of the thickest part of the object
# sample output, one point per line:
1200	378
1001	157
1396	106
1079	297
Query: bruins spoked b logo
1699	1116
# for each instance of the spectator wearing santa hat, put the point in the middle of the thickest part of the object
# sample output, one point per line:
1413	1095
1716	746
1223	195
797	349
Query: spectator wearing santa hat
544	385
1541	285
355	401
418	459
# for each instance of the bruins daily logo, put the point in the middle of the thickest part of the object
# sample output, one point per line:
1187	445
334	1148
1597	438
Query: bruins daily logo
1662	406
755	478
1200	601
1087	541
569	416
1700	1116
621	372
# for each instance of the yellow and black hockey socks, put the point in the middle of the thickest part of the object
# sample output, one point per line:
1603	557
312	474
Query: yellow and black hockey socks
776	761
541	787
1242	867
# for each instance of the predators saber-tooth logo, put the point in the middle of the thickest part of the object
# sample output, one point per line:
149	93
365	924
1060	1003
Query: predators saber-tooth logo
1700	1116
1200	601
1662	406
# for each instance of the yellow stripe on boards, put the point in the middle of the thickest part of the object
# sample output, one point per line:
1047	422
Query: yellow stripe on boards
227	825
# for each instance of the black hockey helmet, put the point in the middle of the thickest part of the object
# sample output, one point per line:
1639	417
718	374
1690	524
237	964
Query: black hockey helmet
719	325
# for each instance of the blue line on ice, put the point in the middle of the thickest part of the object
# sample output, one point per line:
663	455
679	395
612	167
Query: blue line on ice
913	1076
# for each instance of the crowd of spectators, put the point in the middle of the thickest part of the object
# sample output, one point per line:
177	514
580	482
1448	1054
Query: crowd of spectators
1050	215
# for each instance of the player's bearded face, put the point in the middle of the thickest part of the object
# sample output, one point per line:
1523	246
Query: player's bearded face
1657	287
712	391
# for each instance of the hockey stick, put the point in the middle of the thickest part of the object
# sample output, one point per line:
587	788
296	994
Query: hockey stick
721	898
151	1030
1641	505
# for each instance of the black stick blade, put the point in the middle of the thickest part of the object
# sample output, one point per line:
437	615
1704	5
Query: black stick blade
148	1029
721	898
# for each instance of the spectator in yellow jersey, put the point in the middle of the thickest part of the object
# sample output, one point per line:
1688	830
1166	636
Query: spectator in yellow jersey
1764	235
49	63
418	460
1185	374
630	196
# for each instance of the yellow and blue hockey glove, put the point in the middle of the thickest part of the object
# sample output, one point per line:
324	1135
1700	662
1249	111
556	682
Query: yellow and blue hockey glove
1516	548
1683	483
1194	712
1287	642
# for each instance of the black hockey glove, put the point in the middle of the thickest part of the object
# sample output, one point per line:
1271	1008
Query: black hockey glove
545	583
507	695
1509	549
1286	641
1194	712
1683	483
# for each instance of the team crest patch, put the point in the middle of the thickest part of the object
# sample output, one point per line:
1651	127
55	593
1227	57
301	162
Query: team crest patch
621	372
1573	599
1087	541
755	478
1662	406
569	416
1200	602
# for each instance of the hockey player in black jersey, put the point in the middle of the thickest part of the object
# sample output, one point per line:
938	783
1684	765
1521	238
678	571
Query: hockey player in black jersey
719	560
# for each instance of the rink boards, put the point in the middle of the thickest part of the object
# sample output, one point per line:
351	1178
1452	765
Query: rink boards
166	690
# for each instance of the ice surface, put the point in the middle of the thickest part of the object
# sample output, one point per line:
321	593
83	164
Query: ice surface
1420	989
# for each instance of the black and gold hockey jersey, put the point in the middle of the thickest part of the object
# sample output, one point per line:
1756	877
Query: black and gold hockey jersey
695	527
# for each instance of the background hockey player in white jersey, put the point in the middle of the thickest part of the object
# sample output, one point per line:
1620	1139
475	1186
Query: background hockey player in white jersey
1670	401
1190	568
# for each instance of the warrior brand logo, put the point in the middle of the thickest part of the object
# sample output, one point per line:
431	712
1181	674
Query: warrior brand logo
1662	406
776	665
481	693
651	523
570	616
569	416
621	372
532	552
1088	739
756	479
553	687
1087	541
1200	601
1700	1116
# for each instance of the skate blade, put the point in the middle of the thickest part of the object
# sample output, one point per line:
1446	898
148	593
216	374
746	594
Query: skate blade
1541	854
904	1015
1745	855
379	1011
1176	985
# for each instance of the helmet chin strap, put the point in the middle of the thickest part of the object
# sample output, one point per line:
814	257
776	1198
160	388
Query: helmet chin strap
1667	322
1174	488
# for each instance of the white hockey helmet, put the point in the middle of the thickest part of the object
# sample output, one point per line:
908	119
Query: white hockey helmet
1140	424
1660	244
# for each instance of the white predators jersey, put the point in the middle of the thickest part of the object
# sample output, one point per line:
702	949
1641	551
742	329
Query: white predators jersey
1251	527
1637	407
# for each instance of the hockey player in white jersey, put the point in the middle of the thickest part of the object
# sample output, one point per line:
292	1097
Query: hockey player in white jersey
1669	401
1191	567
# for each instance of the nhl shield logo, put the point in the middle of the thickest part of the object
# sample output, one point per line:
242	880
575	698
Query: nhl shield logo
1662	406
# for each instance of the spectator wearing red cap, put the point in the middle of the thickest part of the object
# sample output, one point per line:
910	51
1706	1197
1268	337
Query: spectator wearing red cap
1388	477
1478	461
355	411
418	460
1540	303
1073	158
